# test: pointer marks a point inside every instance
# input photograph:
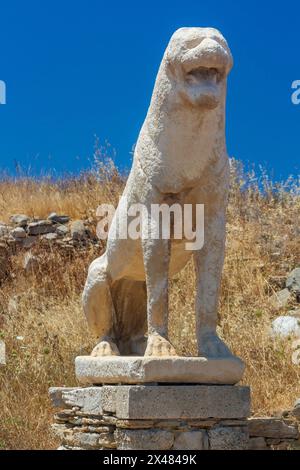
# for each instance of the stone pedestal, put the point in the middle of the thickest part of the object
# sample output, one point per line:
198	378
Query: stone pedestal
134	403
141	370
152	417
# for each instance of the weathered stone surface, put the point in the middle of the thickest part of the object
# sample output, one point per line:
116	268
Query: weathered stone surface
78	231
62	230
135	424
82	439
59	219
192	440
18	233
20	219
184	402
281	299
133	370
87	399
107	441
272	428
56	397
284	445
41	227
143	439
203	424
65	447
49	236
257	443
100	429
175	424
227	438
109	399
285	327
293	281
76	438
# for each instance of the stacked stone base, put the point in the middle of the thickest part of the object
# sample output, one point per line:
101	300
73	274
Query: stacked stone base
273	434
152	417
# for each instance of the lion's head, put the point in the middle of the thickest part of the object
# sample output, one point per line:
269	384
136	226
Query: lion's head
198	61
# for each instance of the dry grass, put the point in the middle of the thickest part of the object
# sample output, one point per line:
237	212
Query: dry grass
44	328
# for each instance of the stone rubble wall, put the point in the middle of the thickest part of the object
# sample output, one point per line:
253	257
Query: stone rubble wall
87	418
34	236
77	430
274	434
24	232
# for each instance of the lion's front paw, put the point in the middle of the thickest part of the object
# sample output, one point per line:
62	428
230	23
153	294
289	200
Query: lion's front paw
159	346
106	347
211	346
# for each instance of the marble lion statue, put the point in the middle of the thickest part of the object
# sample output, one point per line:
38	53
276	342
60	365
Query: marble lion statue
180	157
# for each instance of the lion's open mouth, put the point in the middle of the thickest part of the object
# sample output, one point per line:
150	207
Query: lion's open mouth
203	85
201	75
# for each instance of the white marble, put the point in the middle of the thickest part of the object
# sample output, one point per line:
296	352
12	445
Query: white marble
180	157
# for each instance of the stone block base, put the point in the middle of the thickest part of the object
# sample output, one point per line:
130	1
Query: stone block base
152	417
141	370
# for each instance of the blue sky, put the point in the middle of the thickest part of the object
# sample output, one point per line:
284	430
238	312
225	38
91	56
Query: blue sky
74	69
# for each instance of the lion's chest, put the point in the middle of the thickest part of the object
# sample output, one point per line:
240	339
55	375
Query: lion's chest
175	161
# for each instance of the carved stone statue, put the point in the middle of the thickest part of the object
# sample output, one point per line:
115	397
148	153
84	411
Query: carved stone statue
180	157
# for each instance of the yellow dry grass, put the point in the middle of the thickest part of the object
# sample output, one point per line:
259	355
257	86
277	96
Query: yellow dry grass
42	322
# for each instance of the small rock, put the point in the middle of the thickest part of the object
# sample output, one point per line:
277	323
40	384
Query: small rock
144	439
273	428
191	440
78	439
4	230
78	231
20	219
41	227
50	236
257	443
107	440
18	233
59	219
285	327
228	438
281	299
31	262
62	230
293	281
